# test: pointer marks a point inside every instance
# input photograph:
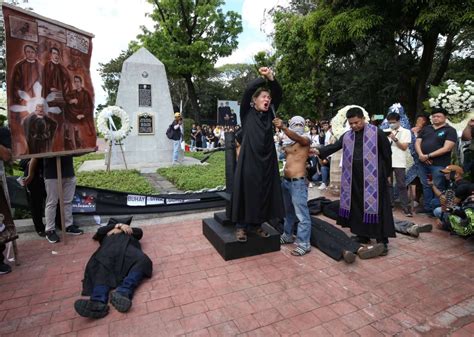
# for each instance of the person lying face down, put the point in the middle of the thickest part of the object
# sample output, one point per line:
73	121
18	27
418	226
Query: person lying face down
119	263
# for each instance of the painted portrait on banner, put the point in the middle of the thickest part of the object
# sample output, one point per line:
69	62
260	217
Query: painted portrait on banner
49	87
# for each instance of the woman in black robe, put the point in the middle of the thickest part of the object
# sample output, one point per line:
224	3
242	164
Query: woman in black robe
118	263
256	196
382	229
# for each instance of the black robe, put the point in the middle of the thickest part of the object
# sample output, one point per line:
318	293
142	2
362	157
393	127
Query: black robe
116	256
384	228
256	196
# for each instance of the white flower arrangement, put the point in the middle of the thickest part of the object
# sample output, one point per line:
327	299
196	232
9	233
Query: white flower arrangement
339	122
456	99
106	125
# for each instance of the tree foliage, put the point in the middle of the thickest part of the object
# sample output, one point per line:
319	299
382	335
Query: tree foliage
189	36
371	53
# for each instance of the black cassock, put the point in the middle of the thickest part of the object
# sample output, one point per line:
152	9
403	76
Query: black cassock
116	256
256	196
384	228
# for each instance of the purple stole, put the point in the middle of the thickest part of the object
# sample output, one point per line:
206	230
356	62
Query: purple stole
371	174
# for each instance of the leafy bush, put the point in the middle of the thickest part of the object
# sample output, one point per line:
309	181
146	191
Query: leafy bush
196	177
118	180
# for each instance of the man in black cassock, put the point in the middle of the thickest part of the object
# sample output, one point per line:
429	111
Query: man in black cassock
256	196
118	263
365	202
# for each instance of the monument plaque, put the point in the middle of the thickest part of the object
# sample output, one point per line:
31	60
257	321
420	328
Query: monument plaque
144	95
147	144
145	124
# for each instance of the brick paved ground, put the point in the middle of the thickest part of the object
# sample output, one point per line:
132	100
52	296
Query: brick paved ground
424	287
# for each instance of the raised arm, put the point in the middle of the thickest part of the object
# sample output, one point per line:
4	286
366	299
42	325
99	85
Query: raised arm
276	93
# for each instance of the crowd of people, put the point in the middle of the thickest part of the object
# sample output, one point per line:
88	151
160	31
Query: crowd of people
208	136
383	160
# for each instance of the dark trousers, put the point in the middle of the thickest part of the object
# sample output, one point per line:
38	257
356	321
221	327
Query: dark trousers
36	193
331	240
127	288
399	174
2	248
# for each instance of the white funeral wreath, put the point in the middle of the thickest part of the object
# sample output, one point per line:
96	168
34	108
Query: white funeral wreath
106	125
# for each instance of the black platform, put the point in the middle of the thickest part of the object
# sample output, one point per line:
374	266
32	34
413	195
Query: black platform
222	237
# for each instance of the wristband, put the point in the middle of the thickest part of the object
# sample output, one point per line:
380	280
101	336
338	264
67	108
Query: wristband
395	140
429	155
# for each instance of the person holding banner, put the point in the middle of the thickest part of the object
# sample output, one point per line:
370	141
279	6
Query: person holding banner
52	195
257	196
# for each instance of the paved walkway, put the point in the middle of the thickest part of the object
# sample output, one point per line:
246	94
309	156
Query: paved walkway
424	287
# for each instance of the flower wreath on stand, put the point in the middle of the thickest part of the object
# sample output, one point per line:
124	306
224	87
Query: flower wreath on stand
106	125
457	99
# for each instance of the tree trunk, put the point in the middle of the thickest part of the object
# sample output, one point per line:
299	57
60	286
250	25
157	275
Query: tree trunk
430	41
443	66
192	98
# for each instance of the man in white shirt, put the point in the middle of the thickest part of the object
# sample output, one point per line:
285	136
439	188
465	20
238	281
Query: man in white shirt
400	139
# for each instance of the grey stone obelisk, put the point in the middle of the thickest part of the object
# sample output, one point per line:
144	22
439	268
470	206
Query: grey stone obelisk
144	94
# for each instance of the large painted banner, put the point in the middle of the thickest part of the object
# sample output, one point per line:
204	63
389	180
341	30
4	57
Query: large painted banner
49	88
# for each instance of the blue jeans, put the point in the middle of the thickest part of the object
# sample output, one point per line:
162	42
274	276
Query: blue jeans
100	293
429	200
295	198
176	149
323	176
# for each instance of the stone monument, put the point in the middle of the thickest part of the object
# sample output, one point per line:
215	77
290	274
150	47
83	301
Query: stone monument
144	94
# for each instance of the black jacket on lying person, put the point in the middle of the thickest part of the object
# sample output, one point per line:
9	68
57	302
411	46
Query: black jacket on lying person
116	256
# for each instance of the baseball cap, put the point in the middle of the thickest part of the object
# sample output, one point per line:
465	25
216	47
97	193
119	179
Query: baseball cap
453	168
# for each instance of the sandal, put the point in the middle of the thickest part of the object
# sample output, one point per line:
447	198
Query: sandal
240	235
298	251
260	232
284	240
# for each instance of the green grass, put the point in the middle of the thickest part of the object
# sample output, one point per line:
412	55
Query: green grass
117	180
196	177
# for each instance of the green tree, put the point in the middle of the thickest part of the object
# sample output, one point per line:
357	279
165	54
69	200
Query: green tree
376	51
189	37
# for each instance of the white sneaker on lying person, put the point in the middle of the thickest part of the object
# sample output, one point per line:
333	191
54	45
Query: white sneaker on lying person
322	186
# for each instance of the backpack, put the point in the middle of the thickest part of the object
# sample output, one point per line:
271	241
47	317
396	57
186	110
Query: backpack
463	225
170	132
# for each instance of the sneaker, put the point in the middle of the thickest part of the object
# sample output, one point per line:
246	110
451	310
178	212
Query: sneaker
322	186
370	251
5	268
41	233
91	309
120	301
413	231
427	227
349	257
52	237
74	230
311	185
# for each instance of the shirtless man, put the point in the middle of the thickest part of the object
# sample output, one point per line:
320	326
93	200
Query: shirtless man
294	187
